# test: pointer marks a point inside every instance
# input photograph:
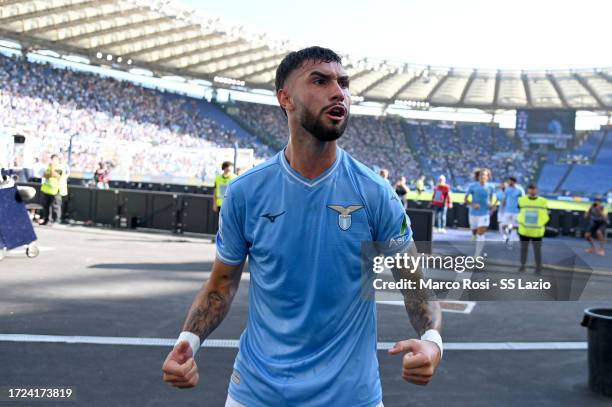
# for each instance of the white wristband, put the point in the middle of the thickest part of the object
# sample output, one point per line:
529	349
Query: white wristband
434	336
193	339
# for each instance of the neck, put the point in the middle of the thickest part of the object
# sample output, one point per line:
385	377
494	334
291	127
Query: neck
307	155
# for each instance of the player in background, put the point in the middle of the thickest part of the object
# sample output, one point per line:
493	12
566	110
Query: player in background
511	207
482	195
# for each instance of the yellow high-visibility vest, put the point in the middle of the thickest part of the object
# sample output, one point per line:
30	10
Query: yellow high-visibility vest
221	183
51	185
533	216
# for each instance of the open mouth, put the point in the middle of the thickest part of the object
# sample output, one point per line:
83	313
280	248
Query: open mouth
336	112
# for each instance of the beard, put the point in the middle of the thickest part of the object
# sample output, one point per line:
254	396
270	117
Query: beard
316	126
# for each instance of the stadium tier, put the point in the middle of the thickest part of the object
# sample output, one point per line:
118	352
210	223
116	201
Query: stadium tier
595	178
149	131
141	131
551	175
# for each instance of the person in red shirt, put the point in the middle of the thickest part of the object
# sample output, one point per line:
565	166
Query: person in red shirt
441	201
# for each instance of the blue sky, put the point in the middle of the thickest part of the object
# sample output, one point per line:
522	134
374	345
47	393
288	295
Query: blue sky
519	34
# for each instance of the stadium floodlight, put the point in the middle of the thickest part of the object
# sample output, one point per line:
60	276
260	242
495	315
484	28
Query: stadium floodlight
109	57
228	81
129	62
119	59
98	55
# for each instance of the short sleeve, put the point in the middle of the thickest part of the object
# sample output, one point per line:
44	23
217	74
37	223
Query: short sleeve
231	244
392	223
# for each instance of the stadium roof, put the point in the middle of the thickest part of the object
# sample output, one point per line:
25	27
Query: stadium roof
166	39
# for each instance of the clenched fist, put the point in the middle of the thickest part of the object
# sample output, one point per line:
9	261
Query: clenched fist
180	369
420	360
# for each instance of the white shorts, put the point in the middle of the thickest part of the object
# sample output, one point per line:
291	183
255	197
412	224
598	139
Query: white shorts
479	221
230	402
510	219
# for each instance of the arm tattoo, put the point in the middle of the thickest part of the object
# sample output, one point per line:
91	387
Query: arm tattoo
207	314
421	304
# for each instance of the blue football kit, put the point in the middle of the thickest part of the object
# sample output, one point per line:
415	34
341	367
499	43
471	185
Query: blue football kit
512	195
311	335
481	194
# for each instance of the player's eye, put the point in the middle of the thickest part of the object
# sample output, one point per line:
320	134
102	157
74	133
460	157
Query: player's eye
320	81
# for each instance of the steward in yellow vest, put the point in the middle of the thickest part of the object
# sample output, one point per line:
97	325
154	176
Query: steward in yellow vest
50	188
532	220
533	215
221	183
51	179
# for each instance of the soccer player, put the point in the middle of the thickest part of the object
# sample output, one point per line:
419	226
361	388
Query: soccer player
481	193
511	208
300	218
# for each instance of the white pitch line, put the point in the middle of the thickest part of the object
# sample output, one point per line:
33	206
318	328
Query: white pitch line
233	343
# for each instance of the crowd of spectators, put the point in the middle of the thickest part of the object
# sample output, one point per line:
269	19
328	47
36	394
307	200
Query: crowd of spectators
101	117
455	150
376	141
139	131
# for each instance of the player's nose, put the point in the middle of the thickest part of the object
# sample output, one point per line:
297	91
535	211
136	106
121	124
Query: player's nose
337	92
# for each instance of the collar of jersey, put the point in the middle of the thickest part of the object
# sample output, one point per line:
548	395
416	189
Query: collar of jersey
303	180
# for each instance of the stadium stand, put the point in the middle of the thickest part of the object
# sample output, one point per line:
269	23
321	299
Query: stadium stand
596	178
415	147
378	142
551	176
103	118
159	132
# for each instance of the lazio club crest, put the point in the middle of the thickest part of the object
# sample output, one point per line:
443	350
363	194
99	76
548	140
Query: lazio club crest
344	214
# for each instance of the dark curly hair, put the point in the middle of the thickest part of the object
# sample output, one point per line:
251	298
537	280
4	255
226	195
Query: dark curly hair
295	59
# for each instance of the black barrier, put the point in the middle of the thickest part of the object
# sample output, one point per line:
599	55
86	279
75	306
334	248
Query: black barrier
134	208
186	212
106	206
197	214
422	221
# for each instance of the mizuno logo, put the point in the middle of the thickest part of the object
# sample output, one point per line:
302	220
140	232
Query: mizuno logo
271	217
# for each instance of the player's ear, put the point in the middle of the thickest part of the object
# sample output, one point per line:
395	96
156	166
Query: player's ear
284	99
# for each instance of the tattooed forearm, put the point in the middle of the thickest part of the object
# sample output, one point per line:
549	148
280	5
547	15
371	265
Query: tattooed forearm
421	304
204	317
424	314
214	299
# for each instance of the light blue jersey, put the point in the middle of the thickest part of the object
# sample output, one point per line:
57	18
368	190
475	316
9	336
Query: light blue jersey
512	196
311	335
481	194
